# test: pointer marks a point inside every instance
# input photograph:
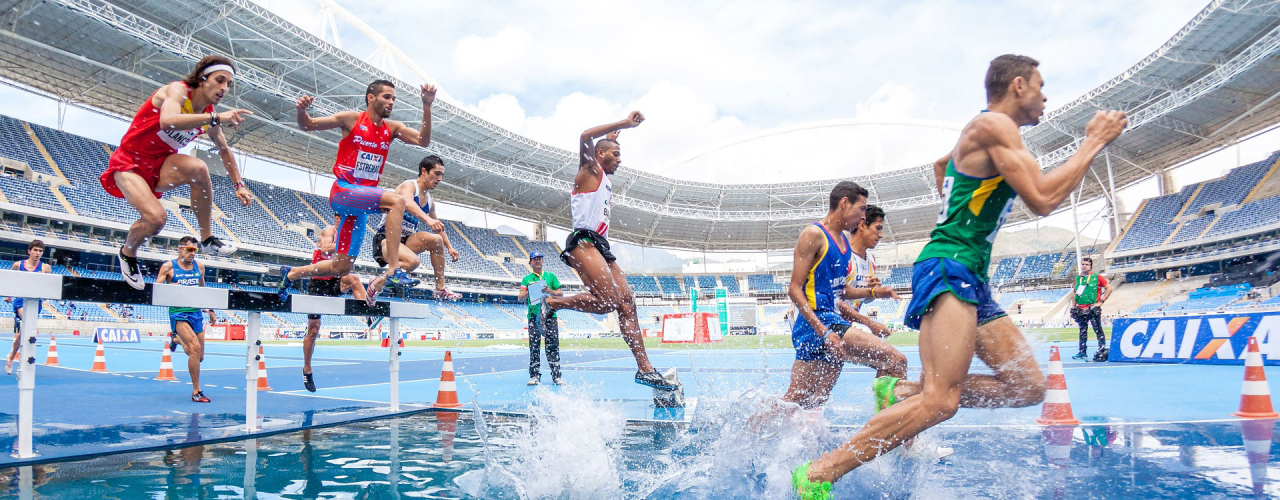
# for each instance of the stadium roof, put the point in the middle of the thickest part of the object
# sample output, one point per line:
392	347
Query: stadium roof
1212	82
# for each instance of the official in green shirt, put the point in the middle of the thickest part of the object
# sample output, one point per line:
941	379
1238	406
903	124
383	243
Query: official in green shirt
1088	309
550	284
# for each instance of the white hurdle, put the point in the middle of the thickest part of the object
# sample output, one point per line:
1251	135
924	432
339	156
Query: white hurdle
37	286
32	288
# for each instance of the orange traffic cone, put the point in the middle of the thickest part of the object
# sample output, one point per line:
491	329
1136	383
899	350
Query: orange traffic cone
262	371
447	424
99	359
448	395
52	358
1255	395
1056	409
1257	447
166	365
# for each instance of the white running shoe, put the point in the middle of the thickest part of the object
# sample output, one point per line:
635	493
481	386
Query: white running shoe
131	271
215	246
533	381
446	294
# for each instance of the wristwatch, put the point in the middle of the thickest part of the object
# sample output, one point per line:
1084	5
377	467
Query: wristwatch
213	119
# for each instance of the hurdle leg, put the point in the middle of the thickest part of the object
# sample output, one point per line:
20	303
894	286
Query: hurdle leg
251	468
394	364
393	475
251	372
26	485
27	380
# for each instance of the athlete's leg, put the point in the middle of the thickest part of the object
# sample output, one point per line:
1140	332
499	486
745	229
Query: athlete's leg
869	350
598	278
604	294
339	265
1017	380
408	258
428	242
151	215
309	343
628	319
351	283
948	335
811	382
194	348
393	204
180	169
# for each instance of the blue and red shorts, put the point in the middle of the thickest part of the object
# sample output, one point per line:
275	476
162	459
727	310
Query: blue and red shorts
353	204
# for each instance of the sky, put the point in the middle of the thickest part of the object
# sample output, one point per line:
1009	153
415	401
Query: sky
711	73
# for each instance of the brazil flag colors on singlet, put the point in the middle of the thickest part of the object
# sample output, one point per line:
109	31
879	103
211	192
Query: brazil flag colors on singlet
826	279
973	209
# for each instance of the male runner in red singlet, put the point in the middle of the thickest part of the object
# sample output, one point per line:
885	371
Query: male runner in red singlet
147	162
325	287
587	249
355	193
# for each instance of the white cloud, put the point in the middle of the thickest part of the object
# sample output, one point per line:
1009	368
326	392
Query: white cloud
498	59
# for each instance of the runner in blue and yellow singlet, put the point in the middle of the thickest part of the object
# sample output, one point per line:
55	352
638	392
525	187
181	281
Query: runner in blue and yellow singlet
952	304
186	323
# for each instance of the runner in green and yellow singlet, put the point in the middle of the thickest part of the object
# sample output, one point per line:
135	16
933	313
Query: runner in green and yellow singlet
952	304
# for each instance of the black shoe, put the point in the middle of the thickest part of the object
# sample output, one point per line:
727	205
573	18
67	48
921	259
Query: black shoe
308	382
130	271
199	397
655	380
173	343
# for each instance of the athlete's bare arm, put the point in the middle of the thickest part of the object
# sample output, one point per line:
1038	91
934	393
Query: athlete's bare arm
229	161
808	247
327	242
15	265
165	273
405	190
170	98
444	236
200	267
422	136
940	170
344	119
588	178
991	142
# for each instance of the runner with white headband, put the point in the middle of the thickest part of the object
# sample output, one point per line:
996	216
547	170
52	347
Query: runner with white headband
147	163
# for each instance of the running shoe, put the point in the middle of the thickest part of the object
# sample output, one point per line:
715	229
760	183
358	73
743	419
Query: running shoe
882	390
446	294
533	381
401	279
215	246
130	270
199	397
806	489
655	380
308	382
173	343
8	368
285	283
557	381
1080	355
371	293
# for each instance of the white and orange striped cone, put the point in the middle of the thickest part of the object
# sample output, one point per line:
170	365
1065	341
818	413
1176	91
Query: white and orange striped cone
52	358
166	365
1257	448
99	359
1056	409
1255	395
447	424
447	397
262	371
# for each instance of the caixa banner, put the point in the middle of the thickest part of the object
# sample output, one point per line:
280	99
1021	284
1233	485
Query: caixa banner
1216	339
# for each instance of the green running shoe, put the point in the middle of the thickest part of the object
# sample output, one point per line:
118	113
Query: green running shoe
882	390
809	490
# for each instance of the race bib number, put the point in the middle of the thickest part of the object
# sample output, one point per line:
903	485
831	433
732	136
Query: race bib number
368	166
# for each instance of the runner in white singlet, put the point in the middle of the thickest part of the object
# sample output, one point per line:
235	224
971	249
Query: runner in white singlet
587	249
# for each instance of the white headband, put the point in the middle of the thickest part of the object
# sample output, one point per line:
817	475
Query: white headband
218	67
